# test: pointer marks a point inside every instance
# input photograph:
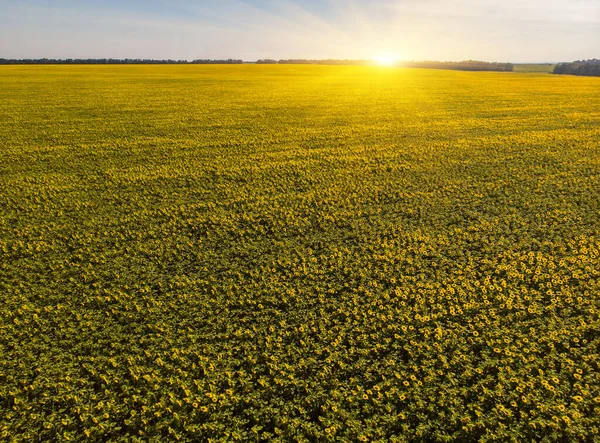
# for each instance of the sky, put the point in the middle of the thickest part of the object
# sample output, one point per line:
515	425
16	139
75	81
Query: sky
517	31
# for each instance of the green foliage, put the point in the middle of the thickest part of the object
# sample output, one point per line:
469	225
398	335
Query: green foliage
589	68
298	253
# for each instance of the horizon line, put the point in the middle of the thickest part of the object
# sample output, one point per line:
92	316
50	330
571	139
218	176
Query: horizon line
232	59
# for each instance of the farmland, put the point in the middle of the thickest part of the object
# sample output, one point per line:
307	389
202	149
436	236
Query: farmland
547	67
298	253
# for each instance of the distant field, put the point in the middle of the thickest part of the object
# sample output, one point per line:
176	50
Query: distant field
298	253
534	68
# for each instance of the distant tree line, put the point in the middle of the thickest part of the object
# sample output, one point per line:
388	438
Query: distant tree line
468	65
229	61
579	67
114	61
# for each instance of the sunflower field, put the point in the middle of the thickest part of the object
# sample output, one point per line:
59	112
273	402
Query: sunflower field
298	253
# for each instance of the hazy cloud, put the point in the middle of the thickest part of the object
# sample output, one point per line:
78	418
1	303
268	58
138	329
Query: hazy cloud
510	30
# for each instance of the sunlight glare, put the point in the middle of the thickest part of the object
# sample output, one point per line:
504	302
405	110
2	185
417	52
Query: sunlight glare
385	59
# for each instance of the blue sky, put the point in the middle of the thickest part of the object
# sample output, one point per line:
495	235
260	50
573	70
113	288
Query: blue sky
495	30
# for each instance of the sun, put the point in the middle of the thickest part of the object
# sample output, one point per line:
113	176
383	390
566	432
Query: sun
386	59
